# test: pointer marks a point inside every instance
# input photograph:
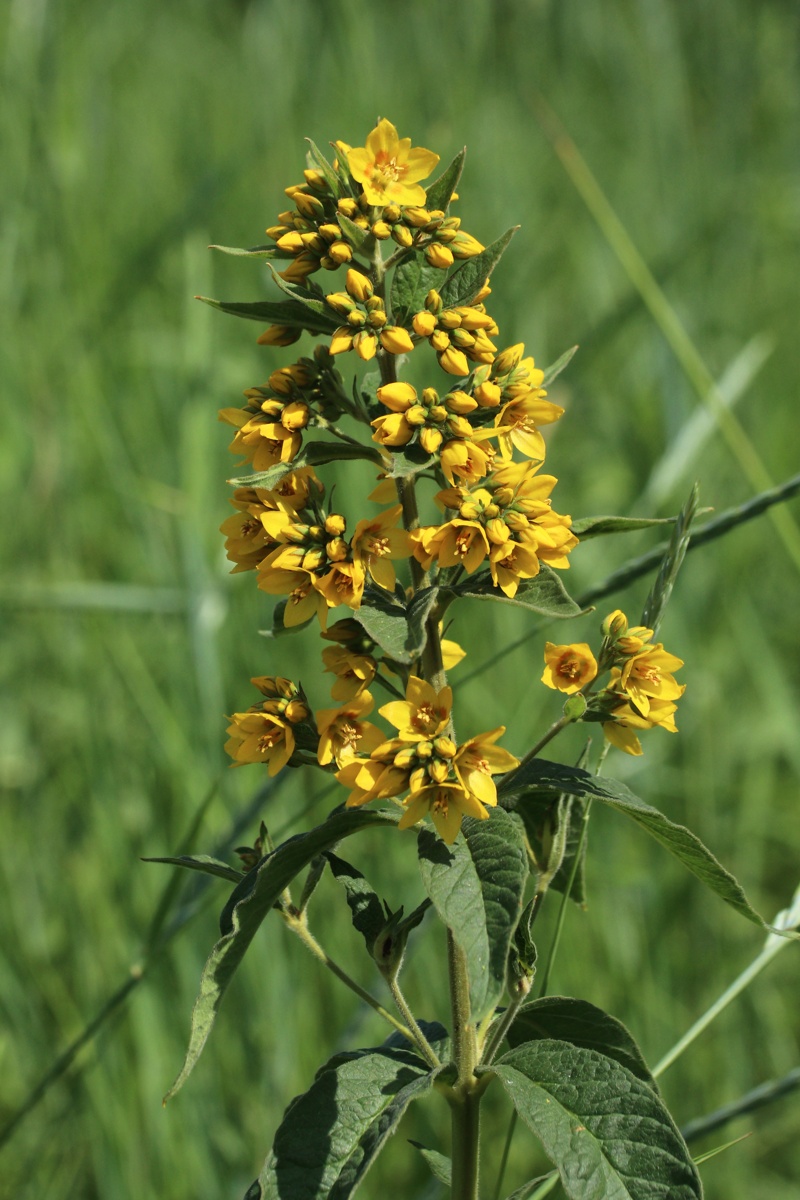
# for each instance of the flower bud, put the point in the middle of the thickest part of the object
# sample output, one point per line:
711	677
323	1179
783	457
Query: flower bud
381	231
508	359
359	286
356	318
365	345
430	440
438	770
440	340
488	394
295	415
615	623
454	361
445	747
424	749
336	549
438	413
403	236
433	302
391	213
396	340
449	319
424	323
330	232
417	415
313	559
460	427
460	402
437	255
340	252
335	524
292	242
418	217
348	207
397	396
278	335
497	531
309	206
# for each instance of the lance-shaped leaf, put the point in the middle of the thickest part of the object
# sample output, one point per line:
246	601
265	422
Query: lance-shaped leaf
563	1019
464	284
419	609
555	369
249	904
477	885
441	1166
331	1135
313	454
535	784
606	1131
588	527
204	863
412	280
277	312
366	909
440	193
268	251
544	594
324	167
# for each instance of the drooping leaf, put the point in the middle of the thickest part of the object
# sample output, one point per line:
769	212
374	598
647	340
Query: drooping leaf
313	454
412	280
386	622
441	190
464	284
588	527
558	366
366	910
441	1166
477	885
268	251
248	905
538	781
331	1135
535	1189
563	1019
419	609
544	594
277	312
606	1131
204	863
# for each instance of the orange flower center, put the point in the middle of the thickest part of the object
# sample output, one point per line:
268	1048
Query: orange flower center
386	170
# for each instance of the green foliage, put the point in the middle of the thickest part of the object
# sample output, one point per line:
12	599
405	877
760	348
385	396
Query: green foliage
331	1135
534	784
249	904
563	1019
467	280
204	863
366	910
544	594
606	1130
313	454
411	283
441	190
296	314
476	886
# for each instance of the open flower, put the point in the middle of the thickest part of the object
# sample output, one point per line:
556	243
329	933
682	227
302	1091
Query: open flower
423	714
259	737
446	804
389	169
478	759
343	734
568	668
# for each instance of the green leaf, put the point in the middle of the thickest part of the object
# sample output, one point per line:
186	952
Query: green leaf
277	312
420	607
279	629
544	594
538	781
313	454
660	592
409	460
331	1135
249	904
365	908
536	1188
412	280
324	167
586	527
441	1166
268	251
558	366
606	1131
314	300
477	885
441	190
464	284
356	236
580	1023
535	818
202	862
386	623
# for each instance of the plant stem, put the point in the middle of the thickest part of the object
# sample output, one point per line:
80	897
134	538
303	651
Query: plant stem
423	1045
512	1125
299	926
562	912
503	1026
554	729
465	1095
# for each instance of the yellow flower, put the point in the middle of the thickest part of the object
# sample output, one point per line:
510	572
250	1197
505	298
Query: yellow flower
371	779
647	676
625	719
389	169
258	736
568	668
343	734
354	672
454	544
303	600
423	714
376	542
446	804
518	424
478	759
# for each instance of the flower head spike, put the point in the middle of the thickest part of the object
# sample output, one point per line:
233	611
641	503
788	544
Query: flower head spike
389	169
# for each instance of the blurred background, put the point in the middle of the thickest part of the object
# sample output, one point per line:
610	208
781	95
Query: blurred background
135	134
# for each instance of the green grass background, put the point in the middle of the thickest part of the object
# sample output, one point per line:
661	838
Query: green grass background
134	134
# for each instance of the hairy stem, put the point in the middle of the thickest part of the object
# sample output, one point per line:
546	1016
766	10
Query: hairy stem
423	1045
299	926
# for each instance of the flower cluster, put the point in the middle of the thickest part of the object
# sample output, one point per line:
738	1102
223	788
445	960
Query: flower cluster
641	691
264	734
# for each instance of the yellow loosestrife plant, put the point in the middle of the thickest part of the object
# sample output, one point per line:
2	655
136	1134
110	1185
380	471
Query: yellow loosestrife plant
497	832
